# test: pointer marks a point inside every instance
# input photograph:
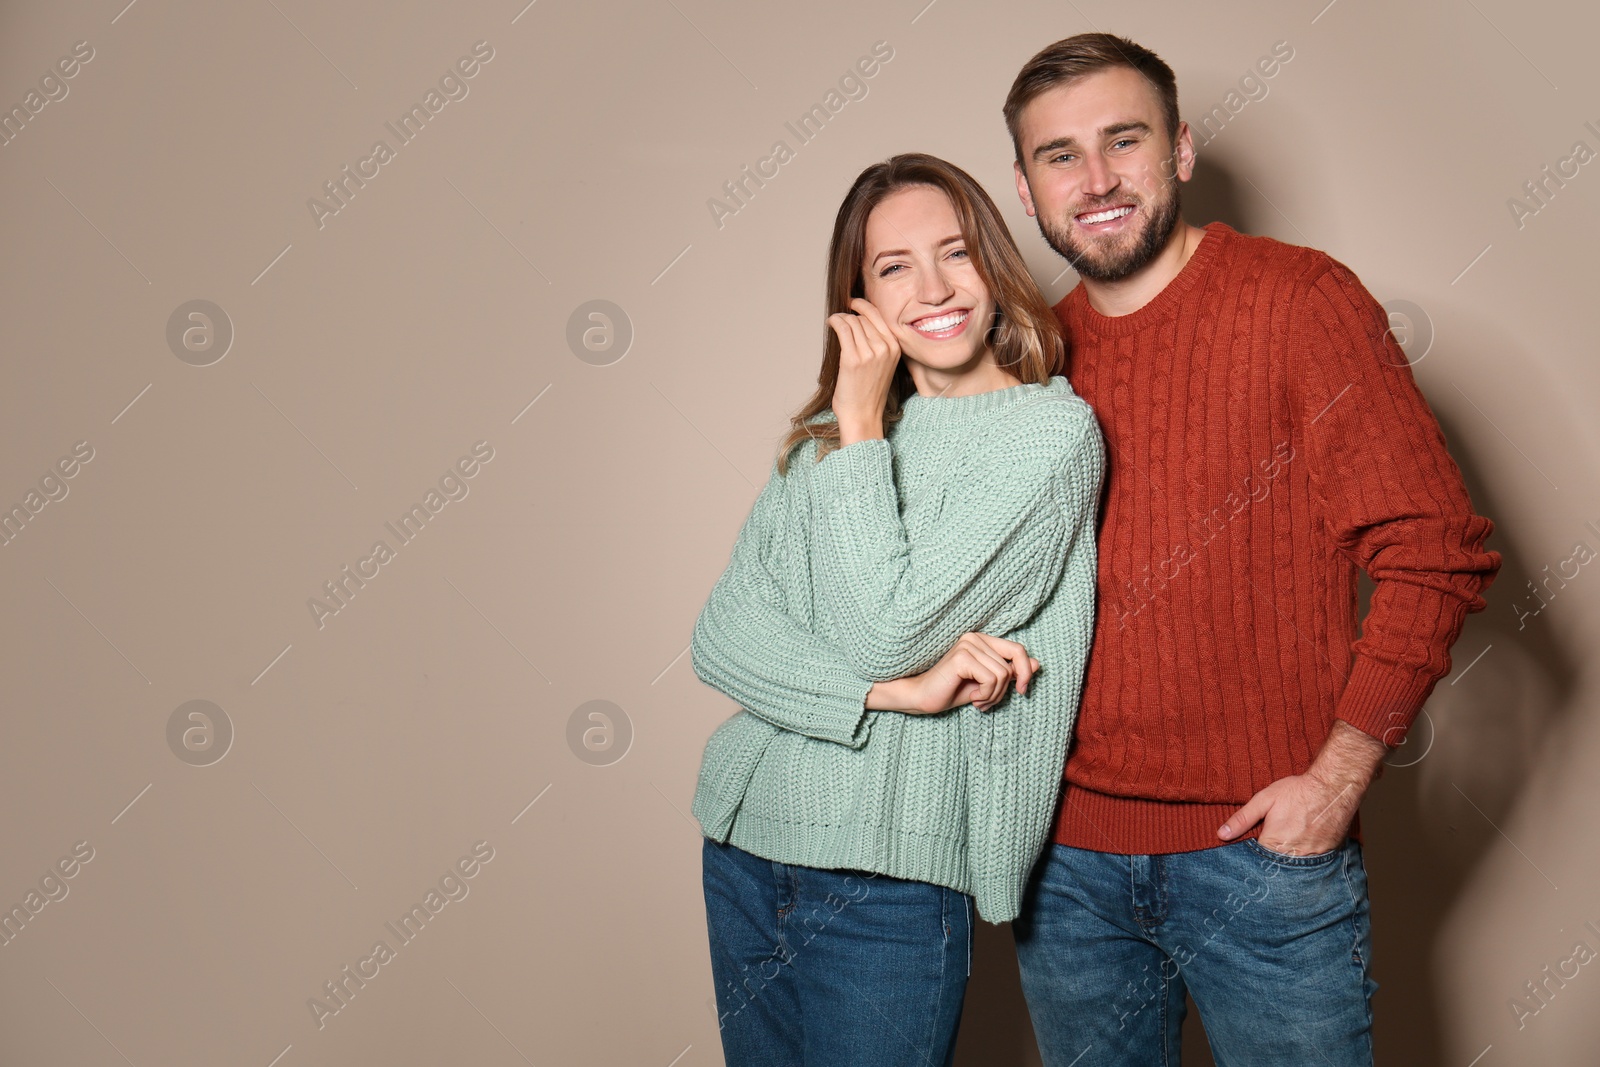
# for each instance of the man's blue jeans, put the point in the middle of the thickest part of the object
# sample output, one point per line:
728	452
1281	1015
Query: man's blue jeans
1275	950
828	967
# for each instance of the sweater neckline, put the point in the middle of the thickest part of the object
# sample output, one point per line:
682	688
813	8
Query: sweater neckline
1164	305
917	408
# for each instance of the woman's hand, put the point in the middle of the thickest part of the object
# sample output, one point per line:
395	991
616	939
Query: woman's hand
978	670
868	356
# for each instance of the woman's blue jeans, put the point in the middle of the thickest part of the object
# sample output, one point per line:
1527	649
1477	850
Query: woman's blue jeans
1274	949
824	968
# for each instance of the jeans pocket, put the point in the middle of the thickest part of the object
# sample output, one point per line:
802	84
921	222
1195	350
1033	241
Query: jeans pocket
1284	859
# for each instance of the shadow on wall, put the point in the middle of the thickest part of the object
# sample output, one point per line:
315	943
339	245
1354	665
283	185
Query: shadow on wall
1427	821
1433	823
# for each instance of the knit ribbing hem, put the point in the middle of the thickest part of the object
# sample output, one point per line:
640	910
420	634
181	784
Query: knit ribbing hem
858	847
1139	826
928	858
1381	700
931	858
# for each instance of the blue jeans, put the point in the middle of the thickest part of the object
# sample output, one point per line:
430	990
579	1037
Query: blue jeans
825	968
1275	950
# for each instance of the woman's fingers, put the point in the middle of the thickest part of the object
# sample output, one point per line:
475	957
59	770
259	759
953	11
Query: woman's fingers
979	670
1022	664
876	328
844	325
864	334
974	677
958	678
992	671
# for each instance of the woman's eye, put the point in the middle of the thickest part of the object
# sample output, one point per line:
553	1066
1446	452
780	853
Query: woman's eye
885	272
959	252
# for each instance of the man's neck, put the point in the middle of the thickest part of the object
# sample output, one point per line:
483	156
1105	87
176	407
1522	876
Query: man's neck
1127	295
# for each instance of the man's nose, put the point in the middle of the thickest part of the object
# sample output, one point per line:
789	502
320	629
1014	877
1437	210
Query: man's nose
1098	177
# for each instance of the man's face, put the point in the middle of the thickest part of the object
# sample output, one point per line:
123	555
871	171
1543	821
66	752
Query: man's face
1099	173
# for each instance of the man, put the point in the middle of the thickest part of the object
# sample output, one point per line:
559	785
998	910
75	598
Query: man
1265	438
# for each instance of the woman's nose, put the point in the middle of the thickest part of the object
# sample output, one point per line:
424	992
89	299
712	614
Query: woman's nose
935	288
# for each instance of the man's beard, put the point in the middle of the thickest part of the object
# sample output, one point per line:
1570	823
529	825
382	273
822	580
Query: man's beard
1113	266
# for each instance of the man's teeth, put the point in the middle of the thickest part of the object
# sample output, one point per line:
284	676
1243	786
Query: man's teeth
943	322
1107	215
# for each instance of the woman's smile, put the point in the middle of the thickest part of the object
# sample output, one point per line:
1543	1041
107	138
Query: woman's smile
942	325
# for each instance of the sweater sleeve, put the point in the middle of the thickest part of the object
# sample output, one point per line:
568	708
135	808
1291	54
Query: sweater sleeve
1391	495
748	646
986	562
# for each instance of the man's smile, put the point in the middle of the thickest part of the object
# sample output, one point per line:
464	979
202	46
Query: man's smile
1105	220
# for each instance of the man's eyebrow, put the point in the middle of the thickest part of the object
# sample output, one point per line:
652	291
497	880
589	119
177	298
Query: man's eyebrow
905	252
1060	143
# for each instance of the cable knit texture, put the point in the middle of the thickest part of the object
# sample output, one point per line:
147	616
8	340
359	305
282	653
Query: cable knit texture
976	513
1265	438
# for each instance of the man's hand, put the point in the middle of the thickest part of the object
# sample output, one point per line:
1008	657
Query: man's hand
978	670
1309	813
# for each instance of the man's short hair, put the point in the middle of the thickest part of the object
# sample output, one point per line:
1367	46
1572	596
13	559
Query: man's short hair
1086	53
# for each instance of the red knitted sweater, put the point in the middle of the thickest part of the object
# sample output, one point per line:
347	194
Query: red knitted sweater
1264	438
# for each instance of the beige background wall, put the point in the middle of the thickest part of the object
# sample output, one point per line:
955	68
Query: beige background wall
371	351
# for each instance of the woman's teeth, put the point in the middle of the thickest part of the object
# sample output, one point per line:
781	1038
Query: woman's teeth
943	322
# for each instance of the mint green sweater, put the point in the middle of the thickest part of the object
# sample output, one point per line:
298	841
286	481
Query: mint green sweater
976	513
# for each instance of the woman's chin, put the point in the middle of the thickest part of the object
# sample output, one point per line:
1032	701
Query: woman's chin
946	359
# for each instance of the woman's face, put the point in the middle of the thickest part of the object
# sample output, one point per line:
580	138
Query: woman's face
918	273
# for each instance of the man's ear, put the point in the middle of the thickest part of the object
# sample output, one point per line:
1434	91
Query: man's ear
1183	155
1023	192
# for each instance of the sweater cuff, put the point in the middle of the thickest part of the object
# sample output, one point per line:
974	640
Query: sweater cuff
1381	700
842	699
860	473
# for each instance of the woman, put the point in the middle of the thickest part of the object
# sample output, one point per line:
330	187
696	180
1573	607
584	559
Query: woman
929	521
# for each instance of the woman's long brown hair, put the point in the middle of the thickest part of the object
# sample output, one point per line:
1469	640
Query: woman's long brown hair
1025	337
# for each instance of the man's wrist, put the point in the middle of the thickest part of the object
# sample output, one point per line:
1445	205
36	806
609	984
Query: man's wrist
1349	757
